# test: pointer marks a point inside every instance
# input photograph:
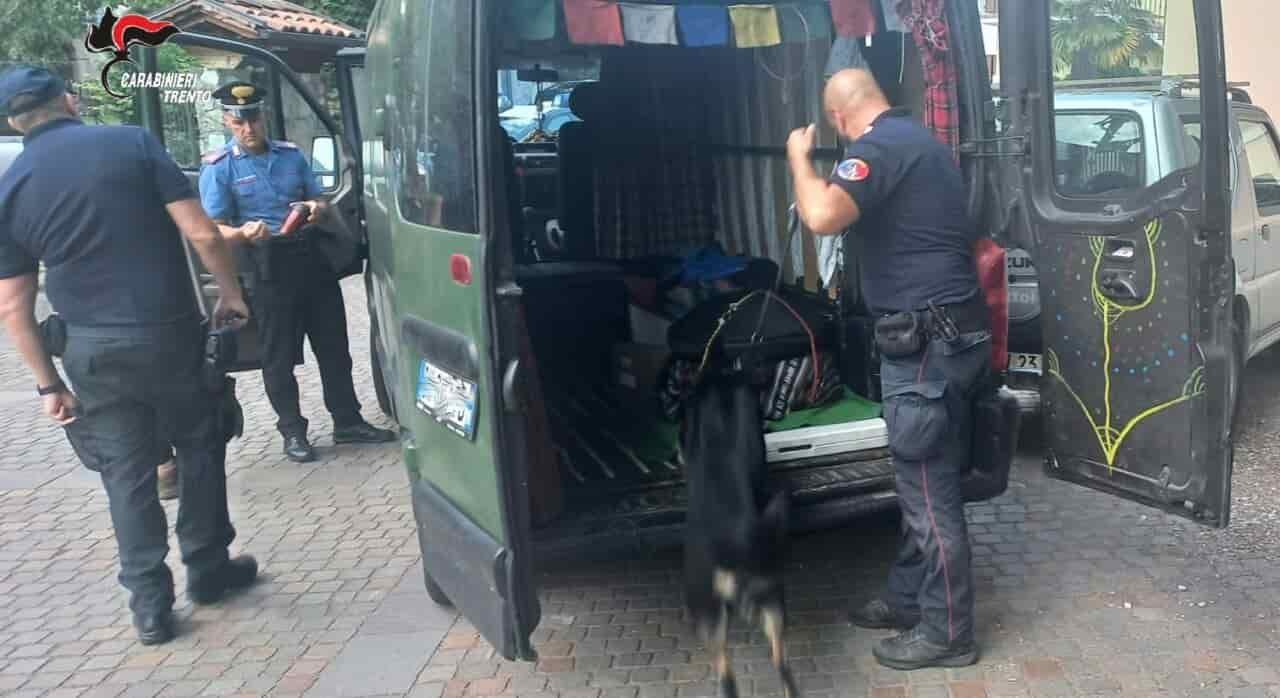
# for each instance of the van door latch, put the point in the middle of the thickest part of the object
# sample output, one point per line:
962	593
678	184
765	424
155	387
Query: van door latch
509	289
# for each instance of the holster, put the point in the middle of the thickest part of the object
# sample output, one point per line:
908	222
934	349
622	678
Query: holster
219	356
900	335
53	335
220	353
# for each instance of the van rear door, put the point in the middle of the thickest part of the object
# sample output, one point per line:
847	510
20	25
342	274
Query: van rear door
1135	280
429	126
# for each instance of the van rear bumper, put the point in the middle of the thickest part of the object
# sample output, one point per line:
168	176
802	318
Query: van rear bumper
828	492
1028	399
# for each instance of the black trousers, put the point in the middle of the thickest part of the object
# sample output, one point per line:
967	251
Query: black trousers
927	406
302	298
137	392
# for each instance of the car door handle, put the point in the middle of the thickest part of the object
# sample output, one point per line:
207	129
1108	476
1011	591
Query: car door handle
1266	232
510	383
1119	284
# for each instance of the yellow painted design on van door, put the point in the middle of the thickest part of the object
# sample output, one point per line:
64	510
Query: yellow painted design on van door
1110	434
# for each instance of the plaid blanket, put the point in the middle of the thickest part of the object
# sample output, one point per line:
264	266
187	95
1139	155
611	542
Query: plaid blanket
927	22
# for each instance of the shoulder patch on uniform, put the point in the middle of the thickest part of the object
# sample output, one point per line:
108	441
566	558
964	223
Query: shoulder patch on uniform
287	144
853	169
214	155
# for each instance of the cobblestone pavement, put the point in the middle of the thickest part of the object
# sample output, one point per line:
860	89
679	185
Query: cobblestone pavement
1080	594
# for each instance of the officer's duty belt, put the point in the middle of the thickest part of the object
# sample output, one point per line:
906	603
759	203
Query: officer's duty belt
182	329
972	315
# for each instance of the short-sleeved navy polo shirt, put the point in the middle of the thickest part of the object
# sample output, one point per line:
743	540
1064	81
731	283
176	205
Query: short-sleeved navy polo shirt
89	202
914	237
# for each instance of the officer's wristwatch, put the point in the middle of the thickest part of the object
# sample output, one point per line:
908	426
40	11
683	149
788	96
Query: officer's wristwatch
55	387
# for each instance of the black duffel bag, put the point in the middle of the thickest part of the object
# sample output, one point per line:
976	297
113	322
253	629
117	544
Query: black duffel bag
744	329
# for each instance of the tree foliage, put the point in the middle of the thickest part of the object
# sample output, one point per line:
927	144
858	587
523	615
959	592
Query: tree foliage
1105	38
353	12
51	33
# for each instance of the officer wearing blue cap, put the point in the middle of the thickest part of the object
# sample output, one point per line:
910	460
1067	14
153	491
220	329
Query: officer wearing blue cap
247	187
104	209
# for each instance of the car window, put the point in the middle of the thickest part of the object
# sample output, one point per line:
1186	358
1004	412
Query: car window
191	128
9	150
1098	153
433	119
303	127
537	110
1191	141
1191	146
1264	163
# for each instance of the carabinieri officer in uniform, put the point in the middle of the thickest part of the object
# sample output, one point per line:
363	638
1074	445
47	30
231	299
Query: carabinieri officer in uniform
903	194
247	187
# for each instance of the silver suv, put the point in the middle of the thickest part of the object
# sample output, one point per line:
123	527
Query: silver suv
10	146
1111	141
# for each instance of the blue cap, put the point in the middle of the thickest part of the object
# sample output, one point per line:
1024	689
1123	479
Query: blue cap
28	81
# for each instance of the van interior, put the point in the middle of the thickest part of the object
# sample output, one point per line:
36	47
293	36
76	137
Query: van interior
637	220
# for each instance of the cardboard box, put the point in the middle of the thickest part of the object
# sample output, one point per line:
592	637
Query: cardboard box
636	370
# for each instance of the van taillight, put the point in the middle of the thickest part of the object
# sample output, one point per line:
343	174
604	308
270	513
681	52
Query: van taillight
460	268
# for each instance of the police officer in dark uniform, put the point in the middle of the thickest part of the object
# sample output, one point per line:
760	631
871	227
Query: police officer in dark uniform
903	194
102	208
247	187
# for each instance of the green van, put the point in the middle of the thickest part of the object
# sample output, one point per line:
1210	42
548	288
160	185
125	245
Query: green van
520	294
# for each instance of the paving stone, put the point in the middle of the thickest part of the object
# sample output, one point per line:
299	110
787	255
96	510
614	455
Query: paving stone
1260	675
376	664
967	689
556	664
648	675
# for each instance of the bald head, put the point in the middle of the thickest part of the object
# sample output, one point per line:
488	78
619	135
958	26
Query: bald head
853	100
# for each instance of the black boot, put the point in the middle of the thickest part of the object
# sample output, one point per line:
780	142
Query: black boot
298	449
912	650
154	627
362	432
877	614
234	574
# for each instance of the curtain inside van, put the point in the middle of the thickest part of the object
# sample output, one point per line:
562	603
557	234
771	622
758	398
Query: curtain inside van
697	152
761	96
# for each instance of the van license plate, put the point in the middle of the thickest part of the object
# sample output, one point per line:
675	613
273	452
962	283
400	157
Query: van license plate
1025	363
448	399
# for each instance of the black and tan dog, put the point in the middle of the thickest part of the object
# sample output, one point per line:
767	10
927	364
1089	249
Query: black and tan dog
736	536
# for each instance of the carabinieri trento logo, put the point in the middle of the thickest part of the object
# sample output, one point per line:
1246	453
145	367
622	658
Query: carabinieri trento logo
116	35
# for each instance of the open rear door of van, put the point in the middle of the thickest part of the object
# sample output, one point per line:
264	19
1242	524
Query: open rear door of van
1135	276
428	124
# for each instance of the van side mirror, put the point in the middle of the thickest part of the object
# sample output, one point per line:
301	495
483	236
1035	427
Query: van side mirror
324	156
